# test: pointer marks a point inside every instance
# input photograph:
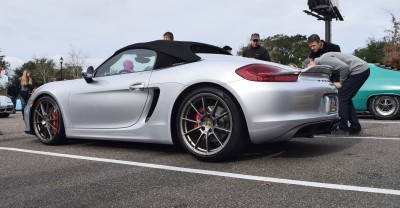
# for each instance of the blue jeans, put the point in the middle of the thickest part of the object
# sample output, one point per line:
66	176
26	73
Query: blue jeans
348	90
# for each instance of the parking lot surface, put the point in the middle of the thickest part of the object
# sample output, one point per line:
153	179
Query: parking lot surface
324	171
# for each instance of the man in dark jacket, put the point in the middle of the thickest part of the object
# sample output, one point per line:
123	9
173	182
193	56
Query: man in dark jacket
12	92
255	50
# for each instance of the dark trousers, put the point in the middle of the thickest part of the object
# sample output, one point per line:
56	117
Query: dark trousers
348	90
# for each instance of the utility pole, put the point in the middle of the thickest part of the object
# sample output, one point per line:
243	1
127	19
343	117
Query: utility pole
325	10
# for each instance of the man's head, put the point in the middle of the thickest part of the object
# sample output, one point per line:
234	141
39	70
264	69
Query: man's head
227	48
314	42
309	62
128	65
168	36
255	39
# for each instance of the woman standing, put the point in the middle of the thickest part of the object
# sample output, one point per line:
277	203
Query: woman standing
26	85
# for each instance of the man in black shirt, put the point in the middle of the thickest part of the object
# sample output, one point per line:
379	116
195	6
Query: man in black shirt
255	50
320	47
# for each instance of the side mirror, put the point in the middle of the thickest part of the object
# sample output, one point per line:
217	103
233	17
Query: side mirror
88	74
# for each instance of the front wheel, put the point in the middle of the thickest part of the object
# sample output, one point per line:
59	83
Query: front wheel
48	122
385	107
4	115
210	126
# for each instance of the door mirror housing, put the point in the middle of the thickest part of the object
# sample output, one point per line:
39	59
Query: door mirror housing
88	74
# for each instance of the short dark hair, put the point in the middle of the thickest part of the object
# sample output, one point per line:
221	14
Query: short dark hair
313	38
227	48
169	34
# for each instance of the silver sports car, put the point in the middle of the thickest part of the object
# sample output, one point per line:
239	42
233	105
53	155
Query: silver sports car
185	93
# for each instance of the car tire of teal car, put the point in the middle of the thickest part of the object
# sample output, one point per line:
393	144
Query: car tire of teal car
385	107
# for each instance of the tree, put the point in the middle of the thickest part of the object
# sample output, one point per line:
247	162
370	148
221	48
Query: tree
392	46
4	66
75	62
285	49
5	70
373	52
44	70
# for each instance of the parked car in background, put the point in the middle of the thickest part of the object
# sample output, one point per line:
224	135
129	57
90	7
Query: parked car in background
6	106
380	94
185	93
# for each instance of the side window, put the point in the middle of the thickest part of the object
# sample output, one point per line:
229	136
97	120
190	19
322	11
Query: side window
130	61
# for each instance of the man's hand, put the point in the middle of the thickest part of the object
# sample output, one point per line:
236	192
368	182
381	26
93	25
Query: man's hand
337	84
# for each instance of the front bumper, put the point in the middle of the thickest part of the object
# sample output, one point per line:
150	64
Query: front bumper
8	109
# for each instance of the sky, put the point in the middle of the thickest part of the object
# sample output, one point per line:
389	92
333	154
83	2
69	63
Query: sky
97	28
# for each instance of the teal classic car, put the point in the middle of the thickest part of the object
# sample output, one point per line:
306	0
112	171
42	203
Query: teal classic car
380	94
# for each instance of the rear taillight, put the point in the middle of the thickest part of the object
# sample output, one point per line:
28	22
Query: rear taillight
267	73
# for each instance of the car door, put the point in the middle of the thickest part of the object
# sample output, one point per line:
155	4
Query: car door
117	95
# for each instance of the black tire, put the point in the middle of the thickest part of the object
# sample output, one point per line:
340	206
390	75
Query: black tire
47	122
210	126
4	115
385	107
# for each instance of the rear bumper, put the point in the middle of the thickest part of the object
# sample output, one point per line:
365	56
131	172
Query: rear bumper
308	129
325	127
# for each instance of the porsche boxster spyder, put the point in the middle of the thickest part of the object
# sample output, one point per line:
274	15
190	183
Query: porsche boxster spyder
185	93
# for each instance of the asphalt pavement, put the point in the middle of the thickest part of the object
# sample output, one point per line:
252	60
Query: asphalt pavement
357	171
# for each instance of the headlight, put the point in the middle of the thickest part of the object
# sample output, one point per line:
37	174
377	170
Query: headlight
8	100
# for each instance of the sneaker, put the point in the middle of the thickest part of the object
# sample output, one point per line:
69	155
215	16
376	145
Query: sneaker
340	132
354	131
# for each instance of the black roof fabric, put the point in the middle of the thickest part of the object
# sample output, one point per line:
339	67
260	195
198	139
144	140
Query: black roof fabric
186	51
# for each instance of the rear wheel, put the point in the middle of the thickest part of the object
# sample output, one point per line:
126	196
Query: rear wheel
385	107
210	126
47	121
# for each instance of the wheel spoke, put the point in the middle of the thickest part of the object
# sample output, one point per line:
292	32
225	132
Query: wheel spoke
216	137
204	106
47	108
49	131
220	116
42	109
198	140
207	145
194	129
190	120
215	107
222	129
195	108
36	111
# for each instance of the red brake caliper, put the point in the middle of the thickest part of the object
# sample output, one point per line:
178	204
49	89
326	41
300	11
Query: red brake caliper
54	116
198	116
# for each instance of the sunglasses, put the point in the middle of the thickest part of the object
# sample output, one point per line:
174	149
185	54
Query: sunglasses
255	40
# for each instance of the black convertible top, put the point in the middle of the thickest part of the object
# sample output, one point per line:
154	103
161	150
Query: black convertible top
183	50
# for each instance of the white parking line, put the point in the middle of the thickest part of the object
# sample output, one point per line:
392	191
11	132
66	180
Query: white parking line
379	121
215	173
361	137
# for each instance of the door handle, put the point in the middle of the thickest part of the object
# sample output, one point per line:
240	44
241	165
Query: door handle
136	86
